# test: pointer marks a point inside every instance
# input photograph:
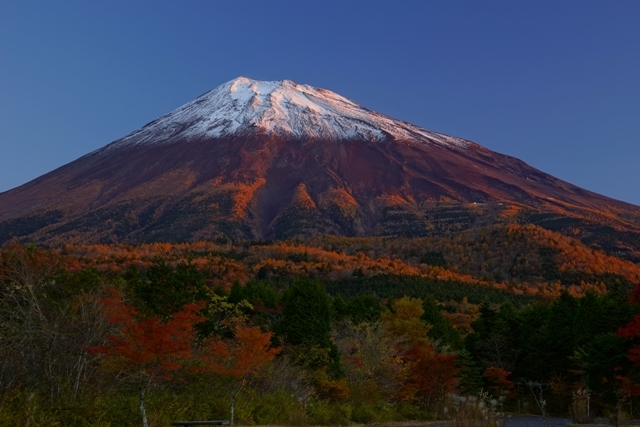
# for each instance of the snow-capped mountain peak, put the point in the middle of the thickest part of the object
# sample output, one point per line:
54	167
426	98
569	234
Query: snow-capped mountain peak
282	107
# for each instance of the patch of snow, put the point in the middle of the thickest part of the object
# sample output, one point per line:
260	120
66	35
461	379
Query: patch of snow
242	106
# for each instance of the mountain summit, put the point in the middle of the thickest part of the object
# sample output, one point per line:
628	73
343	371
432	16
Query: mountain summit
284	108
275	159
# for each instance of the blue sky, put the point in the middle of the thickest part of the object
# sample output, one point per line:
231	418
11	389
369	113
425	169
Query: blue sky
554	83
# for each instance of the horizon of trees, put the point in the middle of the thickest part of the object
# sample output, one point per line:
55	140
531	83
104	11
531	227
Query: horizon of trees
87	345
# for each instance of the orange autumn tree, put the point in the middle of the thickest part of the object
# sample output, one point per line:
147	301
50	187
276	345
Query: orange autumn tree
147	349
238	359
427	375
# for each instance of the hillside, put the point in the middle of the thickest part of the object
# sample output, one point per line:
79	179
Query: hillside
277	160
521	260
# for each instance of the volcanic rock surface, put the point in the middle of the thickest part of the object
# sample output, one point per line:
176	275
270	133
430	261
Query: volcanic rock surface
261	160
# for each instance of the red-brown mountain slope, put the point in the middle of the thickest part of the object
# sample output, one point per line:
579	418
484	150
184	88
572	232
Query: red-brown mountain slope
254	159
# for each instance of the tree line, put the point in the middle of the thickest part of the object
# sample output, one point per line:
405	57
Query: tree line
81	346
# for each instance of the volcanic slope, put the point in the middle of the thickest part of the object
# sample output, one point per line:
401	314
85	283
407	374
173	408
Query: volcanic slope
275	159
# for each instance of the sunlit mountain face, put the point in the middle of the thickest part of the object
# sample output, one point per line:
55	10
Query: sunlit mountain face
268	160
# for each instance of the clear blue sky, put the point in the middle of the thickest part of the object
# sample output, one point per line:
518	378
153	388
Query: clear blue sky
554	83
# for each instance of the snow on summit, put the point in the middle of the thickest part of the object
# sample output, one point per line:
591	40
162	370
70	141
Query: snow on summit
242	106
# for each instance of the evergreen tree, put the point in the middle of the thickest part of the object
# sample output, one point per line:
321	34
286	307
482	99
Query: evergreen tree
531	343
306	320
605	365
441	328
256	293
340	309
469	374
362	308
164	290
493	343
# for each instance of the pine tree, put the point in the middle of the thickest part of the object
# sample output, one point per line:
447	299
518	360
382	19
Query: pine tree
441	328
469	375
306	321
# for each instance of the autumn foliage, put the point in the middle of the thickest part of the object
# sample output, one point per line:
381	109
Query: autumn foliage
427	375
431	375
522	259
499	383
241	357
632	331
148	346
368	327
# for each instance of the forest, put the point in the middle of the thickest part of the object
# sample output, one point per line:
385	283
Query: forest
321	330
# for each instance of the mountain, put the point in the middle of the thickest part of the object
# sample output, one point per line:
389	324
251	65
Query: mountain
263	160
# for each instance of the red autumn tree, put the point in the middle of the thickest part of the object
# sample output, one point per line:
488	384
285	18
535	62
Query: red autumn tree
431	375
147	349
498	382
426	374
238	359
632	331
